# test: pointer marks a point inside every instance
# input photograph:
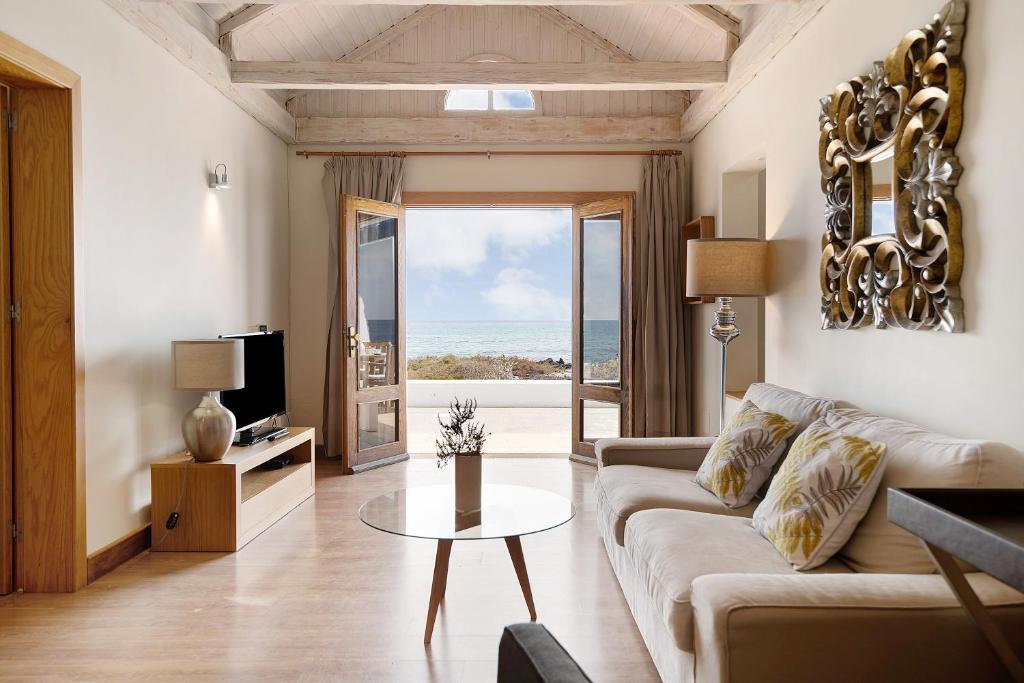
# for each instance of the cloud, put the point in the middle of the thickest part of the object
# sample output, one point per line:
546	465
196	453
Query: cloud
518	294
459	240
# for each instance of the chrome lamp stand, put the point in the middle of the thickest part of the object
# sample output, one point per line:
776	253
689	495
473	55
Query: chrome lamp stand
724	330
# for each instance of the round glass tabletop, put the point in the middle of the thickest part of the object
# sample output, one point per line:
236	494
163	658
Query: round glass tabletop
429	512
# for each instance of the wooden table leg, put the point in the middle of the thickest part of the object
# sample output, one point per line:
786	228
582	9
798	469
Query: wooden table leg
437	588
515	551
983	620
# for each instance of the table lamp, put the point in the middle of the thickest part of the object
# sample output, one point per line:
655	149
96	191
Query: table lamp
726	268
210	365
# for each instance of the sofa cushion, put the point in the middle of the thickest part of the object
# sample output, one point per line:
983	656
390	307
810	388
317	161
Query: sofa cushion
820	494
916	458
670	548
742	456
792	405
627	489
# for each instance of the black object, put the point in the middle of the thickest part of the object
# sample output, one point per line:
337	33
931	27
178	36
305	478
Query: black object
172	520
277	463
263	395
250	437
528	653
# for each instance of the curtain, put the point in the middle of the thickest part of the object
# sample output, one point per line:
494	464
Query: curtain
660	320
377	178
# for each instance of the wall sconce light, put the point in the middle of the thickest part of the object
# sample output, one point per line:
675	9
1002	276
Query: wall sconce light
219	178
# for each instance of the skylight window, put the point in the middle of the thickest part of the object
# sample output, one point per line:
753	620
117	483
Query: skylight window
489	100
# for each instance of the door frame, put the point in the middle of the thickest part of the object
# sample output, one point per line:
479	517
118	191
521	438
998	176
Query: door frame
583	451
6	386
563	200
49	495
396	451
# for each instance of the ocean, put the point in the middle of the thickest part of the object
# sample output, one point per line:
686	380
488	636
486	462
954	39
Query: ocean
535	339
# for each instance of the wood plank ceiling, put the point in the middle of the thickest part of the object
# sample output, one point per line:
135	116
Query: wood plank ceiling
238	48
458	33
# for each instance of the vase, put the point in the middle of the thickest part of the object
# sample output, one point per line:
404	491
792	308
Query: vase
208	429
467	483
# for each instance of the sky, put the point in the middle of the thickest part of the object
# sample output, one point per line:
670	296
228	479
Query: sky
488	264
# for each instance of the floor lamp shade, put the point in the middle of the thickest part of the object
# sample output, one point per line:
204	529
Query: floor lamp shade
209	365
726	267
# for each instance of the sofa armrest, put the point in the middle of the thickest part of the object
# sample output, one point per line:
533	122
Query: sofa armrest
677	453
846	627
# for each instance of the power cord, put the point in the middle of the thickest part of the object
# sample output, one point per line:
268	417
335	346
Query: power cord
172	519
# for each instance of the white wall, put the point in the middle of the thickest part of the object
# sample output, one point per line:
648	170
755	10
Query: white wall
309	246
967	384
164	257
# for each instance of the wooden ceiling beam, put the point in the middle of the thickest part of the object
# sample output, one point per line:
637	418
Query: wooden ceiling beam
521	2
598	42
190	46
710	17
486	129
247	15
512	75
392	33
772	32
595	40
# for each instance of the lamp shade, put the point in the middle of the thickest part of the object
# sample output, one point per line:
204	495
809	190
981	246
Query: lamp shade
726	267
209	364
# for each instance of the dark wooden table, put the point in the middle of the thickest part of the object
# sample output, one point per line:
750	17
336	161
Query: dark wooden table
983	527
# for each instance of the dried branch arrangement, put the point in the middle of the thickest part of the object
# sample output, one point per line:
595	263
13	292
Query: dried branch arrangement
460	435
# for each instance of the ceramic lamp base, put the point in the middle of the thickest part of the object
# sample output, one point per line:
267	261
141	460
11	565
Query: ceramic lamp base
208	429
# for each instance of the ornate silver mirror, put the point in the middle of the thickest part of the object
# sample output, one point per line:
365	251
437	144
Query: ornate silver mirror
892	251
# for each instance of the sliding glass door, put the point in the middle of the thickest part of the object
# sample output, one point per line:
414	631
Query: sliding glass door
373	335
602	235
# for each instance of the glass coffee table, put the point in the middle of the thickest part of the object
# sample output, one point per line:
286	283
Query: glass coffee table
506	511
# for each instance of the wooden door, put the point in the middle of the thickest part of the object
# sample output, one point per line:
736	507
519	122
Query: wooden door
6	391
601	330
373	333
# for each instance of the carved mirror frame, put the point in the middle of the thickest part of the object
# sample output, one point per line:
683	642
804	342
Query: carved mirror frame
911	103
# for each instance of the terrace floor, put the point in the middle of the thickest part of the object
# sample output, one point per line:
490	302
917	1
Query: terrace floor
534	431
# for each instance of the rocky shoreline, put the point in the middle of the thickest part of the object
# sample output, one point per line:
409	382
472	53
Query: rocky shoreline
480	367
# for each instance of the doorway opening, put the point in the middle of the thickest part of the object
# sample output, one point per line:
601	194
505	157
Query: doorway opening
587	240
489	307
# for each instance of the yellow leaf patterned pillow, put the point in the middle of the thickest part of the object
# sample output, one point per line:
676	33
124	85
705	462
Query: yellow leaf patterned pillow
820	494
741	458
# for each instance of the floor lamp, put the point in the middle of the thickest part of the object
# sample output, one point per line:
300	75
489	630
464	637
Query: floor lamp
726	268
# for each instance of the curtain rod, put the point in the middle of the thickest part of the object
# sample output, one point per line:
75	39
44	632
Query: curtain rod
498	153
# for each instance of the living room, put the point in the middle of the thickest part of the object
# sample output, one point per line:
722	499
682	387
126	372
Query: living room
815	469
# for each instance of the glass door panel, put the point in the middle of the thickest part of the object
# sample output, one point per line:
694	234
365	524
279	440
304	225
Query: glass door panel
602	239
372	287
378	423
377	300
601	420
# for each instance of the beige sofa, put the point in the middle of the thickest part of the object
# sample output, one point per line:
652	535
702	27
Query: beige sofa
715	602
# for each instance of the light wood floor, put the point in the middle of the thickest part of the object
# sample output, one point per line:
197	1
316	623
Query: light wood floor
321	597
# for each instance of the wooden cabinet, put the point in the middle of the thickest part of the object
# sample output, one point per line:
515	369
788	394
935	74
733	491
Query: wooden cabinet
225	504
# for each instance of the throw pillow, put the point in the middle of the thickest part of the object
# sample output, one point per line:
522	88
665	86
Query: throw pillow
820	494
742	456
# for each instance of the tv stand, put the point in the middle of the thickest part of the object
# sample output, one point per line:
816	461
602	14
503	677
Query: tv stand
250	437
224	504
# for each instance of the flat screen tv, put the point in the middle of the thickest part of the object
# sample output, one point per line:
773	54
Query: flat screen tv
263	395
